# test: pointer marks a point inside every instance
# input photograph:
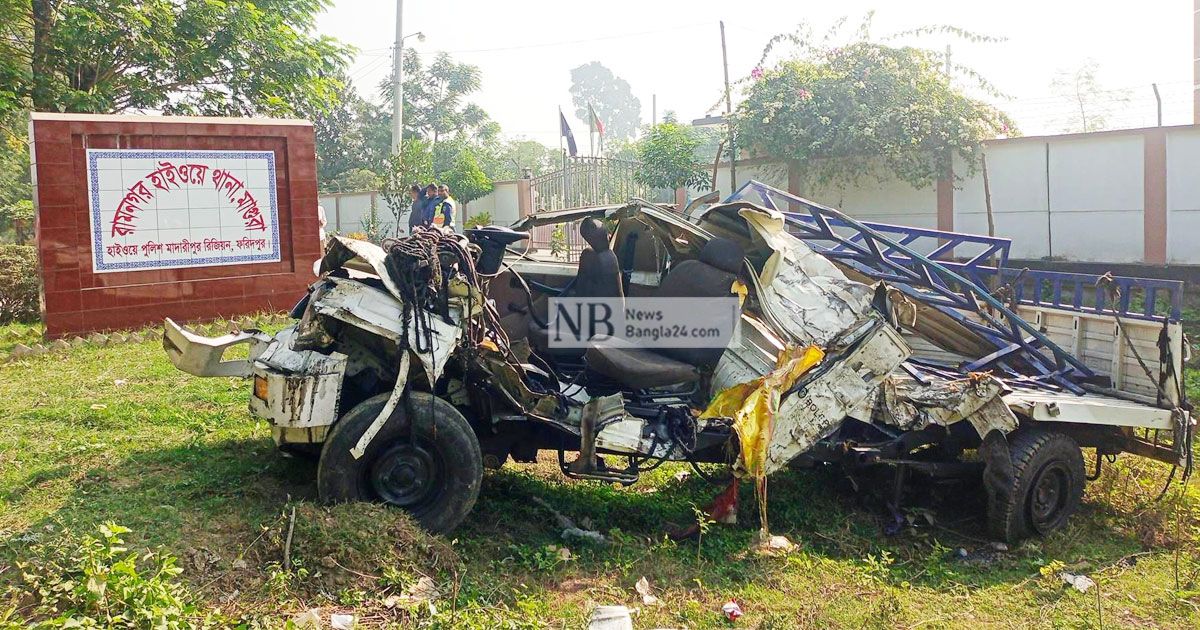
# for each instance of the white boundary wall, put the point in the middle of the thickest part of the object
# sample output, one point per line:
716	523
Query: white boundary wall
345	212
1076	197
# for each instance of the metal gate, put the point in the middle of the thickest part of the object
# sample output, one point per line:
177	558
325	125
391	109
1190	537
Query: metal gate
585	181
582	182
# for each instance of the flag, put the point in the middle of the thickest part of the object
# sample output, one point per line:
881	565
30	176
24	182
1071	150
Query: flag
565	131
597	126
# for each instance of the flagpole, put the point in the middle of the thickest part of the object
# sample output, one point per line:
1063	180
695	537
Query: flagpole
562	153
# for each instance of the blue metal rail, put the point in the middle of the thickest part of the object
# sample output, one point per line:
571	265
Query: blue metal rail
872	253
1141	298
892	253
984	261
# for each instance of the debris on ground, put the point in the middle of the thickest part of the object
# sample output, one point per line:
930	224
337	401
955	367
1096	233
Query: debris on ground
610	618
569	528
981	557
341	622
424	591
308	619
1081	583
682	475
732	610
563	553
722	509
773	545
643	589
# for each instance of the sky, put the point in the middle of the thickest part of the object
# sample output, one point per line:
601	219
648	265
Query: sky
672	49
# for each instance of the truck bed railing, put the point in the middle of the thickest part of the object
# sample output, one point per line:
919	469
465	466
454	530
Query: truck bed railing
981	259
1141	298
878	254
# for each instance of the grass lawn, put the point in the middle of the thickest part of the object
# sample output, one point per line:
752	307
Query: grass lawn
117	434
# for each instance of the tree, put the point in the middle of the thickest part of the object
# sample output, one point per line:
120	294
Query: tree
232	57
15	29
14	159
355	180
517	155
414	165
1092	105
355	135
466	180
610	95
435	105
865	108
669	158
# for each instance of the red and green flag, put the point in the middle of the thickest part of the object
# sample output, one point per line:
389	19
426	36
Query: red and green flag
597	126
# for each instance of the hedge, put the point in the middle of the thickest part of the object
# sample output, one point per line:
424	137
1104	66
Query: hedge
19	290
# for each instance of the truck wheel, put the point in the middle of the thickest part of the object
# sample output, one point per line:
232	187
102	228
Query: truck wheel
1045	487
425	459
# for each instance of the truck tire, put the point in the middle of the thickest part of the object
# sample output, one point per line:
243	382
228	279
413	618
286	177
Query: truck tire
1044	489
425	460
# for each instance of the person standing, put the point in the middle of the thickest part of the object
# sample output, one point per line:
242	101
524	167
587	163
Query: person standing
417	211
443	210
430	202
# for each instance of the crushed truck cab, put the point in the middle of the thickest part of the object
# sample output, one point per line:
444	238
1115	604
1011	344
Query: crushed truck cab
414	365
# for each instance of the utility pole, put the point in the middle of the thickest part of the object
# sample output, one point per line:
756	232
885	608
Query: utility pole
729	112
1158	102
653	109
398	80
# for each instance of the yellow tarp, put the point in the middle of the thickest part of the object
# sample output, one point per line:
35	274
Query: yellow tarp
753	406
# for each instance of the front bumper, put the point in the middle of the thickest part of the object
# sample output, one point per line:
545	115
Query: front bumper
297	392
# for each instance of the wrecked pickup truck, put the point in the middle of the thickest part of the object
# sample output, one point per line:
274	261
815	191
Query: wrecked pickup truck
415	365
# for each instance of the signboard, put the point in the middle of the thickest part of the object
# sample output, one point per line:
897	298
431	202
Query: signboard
155	209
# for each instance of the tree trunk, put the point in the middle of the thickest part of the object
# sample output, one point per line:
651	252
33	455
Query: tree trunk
43	22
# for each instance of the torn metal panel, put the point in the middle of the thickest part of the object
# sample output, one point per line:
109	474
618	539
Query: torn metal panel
820	405
751	355
361	256
909	405
373	310
807	294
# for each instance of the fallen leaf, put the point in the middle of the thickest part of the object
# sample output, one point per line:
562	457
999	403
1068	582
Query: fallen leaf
99	406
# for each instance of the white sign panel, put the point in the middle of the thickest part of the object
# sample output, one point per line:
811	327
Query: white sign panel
154	209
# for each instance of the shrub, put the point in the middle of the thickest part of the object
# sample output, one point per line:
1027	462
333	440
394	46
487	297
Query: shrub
90	581
478	220
18	283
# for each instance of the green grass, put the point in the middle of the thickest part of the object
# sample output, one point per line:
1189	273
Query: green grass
117	434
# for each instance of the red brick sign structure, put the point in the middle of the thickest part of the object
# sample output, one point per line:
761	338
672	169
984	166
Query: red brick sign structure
144	217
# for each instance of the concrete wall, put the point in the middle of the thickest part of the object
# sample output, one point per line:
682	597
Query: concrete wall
345	212
502	203
1183	195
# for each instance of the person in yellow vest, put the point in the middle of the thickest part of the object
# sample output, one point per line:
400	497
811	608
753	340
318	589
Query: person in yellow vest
443	209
